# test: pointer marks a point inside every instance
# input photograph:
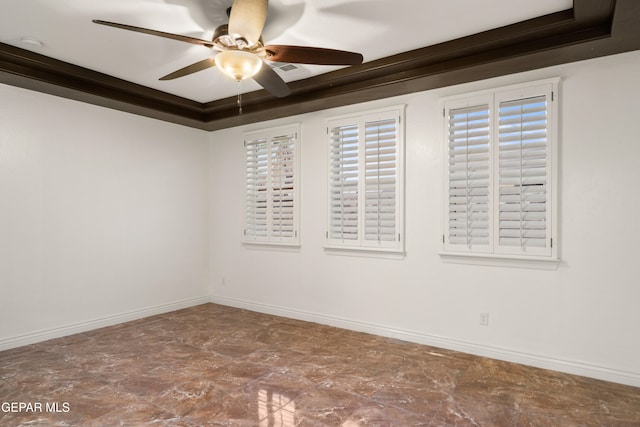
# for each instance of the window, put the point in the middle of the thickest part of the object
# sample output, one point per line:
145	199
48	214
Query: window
500	172
272	189
366	181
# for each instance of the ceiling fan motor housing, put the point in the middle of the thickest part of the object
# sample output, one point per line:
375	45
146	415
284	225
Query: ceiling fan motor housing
222	40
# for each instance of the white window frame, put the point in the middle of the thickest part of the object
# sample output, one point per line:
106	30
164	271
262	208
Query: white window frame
493	253
394	246
273	200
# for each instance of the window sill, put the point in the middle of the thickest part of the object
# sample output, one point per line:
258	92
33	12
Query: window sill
537	263
272	246
386	253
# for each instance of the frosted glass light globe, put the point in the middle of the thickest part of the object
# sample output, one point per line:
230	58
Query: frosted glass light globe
238	64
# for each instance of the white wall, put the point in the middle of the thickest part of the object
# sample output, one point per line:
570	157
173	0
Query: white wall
581	318
103	216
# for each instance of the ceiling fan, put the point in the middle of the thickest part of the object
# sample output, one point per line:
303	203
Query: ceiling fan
241	52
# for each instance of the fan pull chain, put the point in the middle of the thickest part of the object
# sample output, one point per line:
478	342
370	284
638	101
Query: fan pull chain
239	102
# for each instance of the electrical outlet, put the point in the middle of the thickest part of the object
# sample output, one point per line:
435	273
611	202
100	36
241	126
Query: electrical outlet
223	281
484	319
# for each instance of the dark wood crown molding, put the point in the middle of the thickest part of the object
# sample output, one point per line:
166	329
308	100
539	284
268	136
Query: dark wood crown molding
591	29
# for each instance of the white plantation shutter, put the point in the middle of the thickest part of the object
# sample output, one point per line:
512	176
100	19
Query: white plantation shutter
469	190
343	182
365	196
523	196
257	190
499	172
282	186
380	160
271	186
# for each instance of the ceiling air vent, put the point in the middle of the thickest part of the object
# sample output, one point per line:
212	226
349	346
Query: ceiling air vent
290	71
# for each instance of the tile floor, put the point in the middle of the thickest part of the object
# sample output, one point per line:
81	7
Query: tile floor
216	365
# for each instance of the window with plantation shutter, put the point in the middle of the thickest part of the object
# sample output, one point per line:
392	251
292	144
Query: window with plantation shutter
365	181
271	211
500	172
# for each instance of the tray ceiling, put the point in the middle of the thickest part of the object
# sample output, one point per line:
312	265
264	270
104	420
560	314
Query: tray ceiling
407	45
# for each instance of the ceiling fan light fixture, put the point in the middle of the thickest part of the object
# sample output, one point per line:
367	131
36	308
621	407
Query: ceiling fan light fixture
240	50
238	64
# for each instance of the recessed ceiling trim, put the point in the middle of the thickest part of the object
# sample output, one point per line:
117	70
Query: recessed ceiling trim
593	28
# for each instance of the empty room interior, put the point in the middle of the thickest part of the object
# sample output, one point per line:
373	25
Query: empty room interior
319	213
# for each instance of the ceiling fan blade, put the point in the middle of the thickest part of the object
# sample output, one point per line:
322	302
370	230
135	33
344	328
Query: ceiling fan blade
312	55
190	69
172	36
247	19
271	81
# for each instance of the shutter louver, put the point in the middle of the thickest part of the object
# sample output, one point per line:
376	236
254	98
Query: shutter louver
469	178
343	215
380	163
257	194
522	180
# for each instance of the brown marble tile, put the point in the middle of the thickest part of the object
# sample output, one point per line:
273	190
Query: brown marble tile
411	399
185	397
377	414
33	363
540	420
465	411
433	374
237	408
212	365
364	386
68	409
255	404
619	405
562	397
493	381
329	406
144	385
138	413
39	419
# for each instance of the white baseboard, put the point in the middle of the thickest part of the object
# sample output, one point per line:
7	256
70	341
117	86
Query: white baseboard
44	335
536	360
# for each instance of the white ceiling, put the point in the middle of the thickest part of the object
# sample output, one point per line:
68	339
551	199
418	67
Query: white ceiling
375	28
